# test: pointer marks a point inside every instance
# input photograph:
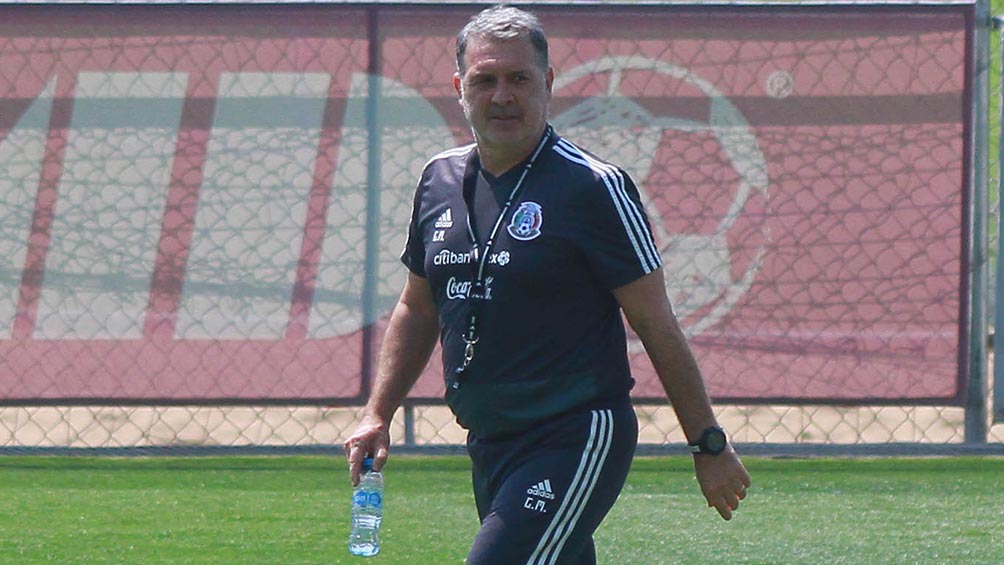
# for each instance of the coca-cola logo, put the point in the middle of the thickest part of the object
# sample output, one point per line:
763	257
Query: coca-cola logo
457	289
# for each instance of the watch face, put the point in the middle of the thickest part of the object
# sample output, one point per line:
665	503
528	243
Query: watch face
714	440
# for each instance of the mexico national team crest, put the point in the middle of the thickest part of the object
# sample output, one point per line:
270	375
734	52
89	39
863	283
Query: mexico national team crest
526	221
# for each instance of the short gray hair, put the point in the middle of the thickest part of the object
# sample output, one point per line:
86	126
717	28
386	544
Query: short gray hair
504	23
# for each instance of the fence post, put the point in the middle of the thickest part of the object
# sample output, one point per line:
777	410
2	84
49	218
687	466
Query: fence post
371	274
998	413
976	402
409	425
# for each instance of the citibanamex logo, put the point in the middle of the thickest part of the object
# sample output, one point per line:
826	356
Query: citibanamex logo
447	257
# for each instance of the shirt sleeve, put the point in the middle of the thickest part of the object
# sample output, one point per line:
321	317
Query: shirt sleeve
619	244
413	255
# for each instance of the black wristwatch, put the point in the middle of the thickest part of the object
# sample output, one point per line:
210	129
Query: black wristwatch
712	442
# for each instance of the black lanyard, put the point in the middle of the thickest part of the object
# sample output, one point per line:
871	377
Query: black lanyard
478	292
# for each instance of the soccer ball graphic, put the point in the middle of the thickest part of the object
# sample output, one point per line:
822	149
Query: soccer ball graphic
701	175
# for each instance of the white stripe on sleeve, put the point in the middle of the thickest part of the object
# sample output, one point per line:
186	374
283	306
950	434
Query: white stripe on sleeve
628	211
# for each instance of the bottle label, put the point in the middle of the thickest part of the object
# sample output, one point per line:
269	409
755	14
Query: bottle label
363	499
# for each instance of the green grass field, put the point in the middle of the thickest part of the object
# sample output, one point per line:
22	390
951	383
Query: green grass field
295	510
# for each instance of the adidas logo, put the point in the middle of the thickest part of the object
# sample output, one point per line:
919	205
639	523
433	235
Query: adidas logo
542	489
445	219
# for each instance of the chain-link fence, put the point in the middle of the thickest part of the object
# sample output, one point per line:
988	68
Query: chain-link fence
202	208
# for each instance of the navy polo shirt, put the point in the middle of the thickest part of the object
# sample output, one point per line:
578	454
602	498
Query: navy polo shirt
551	336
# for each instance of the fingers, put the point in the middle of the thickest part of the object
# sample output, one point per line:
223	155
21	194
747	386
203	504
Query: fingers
363	444
728	504
724	482
379	458
355	452
744	478
724	511
726	500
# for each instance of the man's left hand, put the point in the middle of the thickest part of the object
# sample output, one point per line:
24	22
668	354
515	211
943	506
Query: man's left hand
724	480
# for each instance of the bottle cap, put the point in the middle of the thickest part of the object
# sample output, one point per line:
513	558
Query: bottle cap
367	464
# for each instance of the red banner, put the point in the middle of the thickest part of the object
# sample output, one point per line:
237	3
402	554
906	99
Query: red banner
206	204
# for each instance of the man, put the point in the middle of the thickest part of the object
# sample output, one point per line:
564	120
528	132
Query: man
522	252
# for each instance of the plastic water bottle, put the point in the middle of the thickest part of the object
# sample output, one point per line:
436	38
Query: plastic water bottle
367	512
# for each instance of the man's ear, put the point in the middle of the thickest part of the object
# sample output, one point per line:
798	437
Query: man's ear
457	85
550	79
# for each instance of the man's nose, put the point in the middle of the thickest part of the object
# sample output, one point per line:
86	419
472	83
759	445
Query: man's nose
504	93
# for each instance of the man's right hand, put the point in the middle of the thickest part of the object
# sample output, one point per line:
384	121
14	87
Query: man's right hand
371	439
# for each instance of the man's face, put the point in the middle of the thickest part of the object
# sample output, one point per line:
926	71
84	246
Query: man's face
505	94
